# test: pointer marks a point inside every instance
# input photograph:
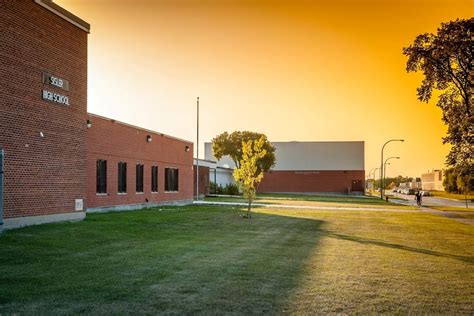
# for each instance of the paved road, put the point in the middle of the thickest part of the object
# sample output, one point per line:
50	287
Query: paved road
430	200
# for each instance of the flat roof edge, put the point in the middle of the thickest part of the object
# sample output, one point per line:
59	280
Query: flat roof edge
64	14
138	127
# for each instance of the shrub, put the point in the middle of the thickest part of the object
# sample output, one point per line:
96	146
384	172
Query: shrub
228	189
231	189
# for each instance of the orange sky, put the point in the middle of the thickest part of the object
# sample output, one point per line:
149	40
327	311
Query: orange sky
294	70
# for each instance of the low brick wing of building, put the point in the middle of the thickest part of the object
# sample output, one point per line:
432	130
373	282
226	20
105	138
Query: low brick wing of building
131	167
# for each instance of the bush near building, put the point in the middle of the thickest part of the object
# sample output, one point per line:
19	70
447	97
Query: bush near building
228	189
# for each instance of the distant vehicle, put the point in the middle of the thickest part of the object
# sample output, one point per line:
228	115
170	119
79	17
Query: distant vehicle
411	191
426	193
395	190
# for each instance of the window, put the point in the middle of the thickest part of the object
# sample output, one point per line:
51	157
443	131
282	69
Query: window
101	183
122	177
171	179
139	179
154	178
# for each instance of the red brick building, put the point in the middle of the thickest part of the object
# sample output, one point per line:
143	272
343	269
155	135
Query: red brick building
159	168
204	181
42	54
311	167
52	160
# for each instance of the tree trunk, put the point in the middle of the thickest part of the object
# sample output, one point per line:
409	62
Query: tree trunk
249	215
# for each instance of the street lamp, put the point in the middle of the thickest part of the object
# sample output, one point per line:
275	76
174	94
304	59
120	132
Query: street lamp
381	164
385	168
375	171
367	178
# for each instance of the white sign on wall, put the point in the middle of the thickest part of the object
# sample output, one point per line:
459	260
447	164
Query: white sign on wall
55	97
79	205
55	82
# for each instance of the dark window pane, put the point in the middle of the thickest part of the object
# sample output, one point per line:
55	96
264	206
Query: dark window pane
122	177
139	179
171	179
154	179
101	176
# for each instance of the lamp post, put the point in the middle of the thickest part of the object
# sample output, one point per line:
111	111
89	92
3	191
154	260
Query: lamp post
197	150
385	166
375	171
368	178
381	164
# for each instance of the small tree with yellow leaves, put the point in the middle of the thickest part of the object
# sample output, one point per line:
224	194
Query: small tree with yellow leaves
248	175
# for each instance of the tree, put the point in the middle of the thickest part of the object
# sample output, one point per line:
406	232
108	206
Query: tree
450	181
459	183
231	144
247	175
446	62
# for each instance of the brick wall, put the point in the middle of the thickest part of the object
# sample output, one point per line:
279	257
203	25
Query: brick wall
204	184
116	142
312	181
43	175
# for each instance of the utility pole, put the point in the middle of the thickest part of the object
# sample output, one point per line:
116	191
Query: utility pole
381	165
197	152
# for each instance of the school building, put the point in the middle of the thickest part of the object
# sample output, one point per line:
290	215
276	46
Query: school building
310	167
58	161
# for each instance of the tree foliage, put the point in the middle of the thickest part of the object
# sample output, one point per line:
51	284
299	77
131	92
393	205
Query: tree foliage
231	145
445	58
248	175
454	182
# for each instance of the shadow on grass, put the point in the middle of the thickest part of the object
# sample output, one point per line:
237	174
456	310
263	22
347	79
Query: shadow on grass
188	260
360	240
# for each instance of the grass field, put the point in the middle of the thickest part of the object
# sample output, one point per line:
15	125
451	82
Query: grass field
461	212
315	200
454	196
208	260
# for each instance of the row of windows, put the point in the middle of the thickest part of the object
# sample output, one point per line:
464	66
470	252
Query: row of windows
171	178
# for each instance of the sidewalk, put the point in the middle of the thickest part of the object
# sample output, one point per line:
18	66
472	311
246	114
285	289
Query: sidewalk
451	215
423	209
310	207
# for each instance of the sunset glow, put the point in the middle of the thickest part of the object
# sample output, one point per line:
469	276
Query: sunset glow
294	70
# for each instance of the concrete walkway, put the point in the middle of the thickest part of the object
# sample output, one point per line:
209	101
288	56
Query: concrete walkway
450	215
310	207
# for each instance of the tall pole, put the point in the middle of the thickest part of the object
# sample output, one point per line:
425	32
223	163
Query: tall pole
381	165
197	152
385	165
375	171
368	178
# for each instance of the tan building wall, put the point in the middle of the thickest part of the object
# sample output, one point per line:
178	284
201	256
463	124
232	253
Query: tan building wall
432	181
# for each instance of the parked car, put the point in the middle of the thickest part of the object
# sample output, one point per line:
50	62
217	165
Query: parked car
395	190
426	193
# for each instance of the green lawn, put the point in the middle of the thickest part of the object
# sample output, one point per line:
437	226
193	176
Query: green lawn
455	196
307	199
208	260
